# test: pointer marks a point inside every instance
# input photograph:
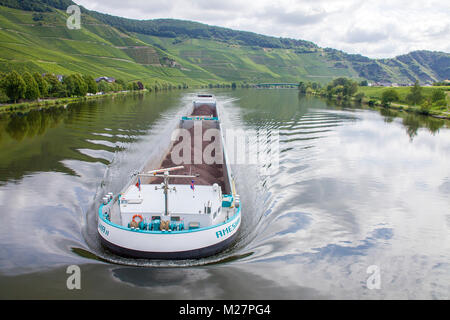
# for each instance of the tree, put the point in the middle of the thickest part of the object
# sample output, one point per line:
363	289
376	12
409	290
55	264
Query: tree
339	91
122	85
438	94
415	96
42	84
342	87
359	96
364	83
425	107
3	96
71	84
14	86
75	85
55	87
302	87
388	96
91	84
315	86
82	88
104	86
351	87
32	88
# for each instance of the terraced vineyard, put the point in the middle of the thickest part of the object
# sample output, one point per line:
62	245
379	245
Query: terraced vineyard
96	49
187	52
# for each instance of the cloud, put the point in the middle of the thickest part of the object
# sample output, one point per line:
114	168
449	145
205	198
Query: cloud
378	29
296	17
357	35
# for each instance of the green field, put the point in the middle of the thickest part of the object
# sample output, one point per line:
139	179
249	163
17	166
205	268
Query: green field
376	92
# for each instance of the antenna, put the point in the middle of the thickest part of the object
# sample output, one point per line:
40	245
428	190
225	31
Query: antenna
164	173
154	172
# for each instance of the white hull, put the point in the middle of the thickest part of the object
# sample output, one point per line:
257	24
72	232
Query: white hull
176	243
188	244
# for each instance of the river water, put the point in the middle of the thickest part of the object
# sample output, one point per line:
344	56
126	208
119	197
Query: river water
357	207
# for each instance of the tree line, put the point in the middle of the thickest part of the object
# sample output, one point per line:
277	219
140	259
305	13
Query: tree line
33	86
37	6
345	89
340	88
172	28
416	97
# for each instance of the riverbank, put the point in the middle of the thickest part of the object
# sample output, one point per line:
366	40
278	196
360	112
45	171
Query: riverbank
373	97
374	101
46	103
408	108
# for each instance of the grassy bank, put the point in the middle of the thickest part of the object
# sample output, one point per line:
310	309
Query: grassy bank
46	103
373	96
376	92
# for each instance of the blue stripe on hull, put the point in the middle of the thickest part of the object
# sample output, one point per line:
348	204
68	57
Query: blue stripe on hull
179	255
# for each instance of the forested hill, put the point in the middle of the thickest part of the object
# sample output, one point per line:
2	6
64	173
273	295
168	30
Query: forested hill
184	51
173	28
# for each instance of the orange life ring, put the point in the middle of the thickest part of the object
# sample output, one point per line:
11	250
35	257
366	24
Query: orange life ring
139	216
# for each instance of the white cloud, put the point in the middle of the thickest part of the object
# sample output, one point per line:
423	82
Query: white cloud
357	35
378	29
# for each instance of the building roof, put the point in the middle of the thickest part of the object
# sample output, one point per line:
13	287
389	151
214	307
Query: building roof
107	79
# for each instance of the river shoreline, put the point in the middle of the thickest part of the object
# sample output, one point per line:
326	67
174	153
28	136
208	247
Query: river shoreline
395	106
47	103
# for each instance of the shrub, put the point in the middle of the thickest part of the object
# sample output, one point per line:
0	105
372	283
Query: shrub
425	107
438	95
440	103
388	96
359	96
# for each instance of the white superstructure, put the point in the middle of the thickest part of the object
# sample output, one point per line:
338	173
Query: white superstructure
204	99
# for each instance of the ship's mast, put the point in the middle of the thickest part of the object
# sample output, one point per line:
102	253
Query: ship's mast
164	173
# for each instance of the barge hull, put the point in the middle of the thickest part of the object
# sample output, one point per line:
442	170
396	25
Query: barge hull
174	255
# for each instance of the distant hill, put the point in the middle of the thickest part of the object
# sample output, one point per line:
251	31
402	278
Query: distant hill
34	37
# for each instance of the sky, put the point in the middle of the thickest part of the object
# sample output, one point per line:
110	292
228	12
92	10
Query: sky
376	29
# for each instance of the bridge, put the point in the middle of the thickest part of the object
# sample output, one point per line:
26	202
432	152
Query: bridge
277	85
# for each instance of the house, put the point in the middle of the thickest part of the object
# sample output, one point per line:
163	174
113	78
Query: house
107	79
